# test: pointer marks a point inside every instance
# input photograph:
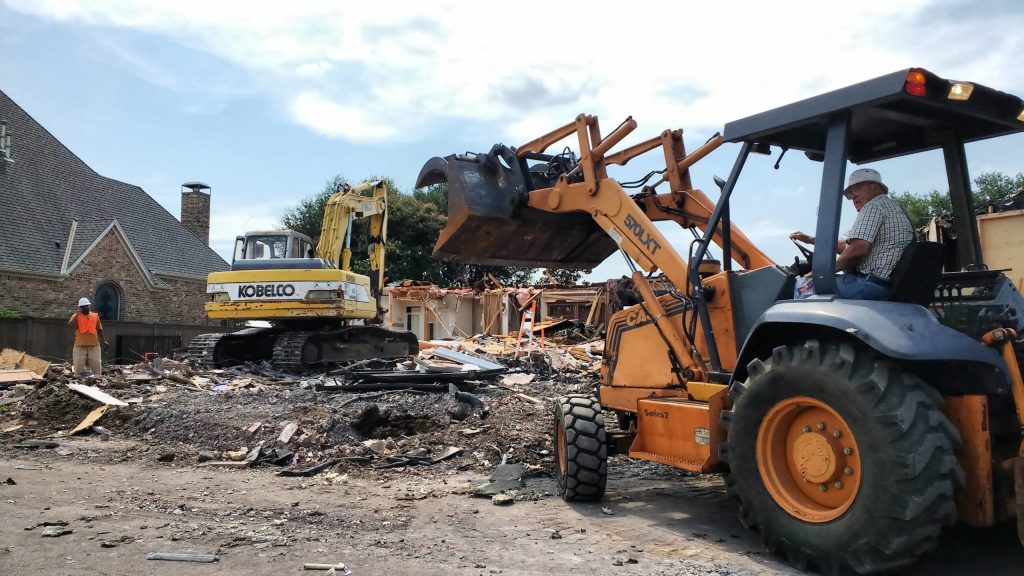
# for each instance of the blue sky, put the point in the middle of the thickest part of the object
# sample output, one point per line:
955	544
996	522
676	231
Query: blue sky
265	101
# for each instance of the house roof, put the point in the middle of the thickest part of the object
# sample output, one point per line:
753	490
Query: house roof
47	187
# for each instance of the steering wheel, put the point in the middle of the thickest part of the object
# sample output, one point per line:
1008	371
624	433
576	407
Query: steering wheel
799	268
807	253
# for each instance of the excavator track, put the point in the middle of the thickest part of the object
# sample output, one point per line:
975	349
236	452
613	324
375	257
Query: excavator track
288	349
299	350
220	349
201	349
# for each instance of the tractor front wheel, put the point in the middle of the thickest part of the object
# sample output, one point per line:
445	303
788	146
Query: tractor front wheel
841	458
581	448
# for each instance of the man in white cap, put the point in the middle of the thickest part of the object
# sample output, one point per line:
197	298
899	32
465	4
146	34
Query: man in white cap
873	245
88	335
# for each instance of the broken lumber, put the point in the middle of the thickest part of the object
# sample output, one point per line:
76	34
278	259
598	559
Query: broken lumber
179	557
15	359
18	375
528	398
90	419
96	394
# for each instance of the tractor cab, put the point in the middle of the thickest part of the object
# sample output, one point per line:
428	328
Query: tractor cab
900	114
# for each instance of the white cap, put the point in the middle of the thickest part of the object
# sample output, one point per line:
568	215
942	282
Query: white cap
864	175
83	301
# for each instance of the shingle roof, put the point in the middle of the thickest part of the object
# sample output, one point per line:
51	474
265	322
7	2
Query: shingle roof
47	186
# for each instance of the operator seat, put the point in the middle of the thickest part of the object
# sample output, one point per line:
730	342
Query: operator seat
917	273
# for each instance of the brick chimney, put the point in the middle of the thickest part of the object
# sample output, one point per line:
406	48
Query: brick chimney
195	209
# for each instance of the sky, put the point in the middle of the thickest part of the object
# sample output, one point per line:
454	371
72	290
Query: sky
266	101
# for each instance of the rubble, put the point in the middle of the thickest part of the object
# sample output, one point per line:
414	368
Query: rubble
450	410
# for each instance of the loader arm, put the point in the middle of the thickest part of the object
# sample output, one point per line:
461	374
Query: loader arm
564	212
342	208
628	225
685	205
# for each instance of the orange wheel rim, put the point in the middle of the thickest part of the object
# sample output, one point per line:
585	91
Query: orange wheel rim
808	459
560	446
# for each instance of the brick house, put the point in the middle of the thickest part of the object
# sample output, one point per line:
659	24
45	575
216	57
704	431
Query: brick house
69	232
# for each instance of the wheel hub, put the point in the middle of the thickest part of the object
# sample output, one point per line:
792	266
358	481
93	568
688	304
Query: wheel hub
814	458
808	459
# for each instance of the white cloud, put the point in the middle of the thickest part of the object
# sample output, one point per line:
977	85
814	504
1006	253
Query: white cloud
314	69
338	120
386	72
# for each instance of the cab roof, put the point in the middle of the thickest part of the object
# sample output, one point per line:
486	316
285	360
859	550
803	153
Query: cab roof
886	119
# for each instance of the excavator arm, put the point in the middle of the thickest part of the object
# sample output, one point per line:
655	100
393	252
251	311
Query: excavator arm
341	210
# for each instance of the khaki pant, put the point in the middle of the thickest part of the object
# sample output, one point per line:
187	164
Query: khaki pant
82	355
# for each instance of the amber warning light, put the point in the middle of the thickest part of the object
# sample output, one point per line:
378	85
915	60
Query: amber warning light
915	83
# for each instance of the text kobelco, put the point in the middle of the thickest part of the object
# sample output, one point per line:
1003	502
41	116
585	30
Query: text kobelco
265	290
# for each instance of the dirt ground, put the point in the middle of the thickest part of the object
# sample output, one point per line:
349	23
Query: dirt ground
145	490
661	522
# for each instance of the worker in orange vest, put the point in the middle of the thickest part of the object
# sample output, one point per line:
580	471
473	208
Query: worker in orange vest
88	335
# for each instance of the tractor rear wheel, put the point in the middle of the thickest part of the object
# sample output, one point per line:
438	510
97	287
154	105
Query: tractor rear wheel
840	458
581	448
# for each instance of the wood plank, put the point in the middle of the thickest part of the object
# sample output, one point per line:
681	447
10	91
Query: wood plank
18	375
96	394
37	365
90	419
9	358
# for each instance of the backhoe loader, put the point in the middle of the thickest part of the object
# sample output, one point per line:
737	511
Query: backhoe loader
851	431
321	312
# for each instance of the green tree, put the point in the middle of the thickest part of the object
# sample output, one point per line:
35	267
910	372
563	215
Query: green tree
992	188
414	223
562	276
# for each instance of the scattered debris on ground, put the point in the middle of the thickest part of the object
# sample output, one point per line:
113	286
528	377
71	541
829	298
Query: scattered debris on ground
476	404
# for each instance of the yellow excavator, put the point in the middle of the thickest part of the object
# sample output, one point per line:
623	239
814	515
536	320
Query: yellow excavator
319	310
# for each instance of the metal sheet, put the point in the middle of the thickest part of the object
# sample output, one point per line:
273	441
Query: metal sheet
454	356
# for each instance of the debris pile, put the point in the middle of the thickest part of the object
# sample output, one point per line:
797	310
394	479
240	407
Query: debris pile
459	406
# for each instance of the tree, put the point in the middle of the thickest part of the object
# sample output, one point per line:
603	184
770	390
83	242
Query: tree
562	276
992	188
414	223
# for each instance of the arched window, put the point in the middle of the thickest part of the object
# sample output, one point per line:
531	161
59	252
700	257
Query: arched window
108	301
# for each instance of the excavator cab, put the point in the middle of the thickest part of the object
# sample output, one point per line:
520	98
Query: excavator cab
272	244
852	431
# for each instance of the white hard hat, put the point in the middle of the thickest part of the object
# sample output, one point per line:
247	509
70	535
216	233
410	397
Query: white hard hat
83	302
864	175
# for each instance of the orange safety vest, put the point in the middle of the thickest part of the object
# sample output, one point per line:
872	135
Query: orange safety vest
87	324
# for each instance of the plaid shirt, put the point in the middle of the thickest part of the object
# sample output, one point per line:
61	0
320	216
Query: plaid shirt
883	224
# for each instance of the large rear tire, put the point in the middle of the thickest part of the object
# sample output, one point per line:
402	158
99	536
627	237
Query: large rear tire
581	448
840	458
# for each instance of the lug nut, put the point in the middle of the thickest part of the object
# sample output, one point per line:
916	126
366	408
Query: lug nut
847	450
823	487
837	434
838	484
821	425
806	429
848	471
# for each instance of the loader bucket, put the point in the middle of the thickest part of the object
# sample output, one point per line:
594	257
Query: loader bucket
489	221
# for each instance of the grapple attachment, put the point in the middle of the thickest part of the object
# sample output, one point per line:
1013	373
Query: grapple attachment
489	221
